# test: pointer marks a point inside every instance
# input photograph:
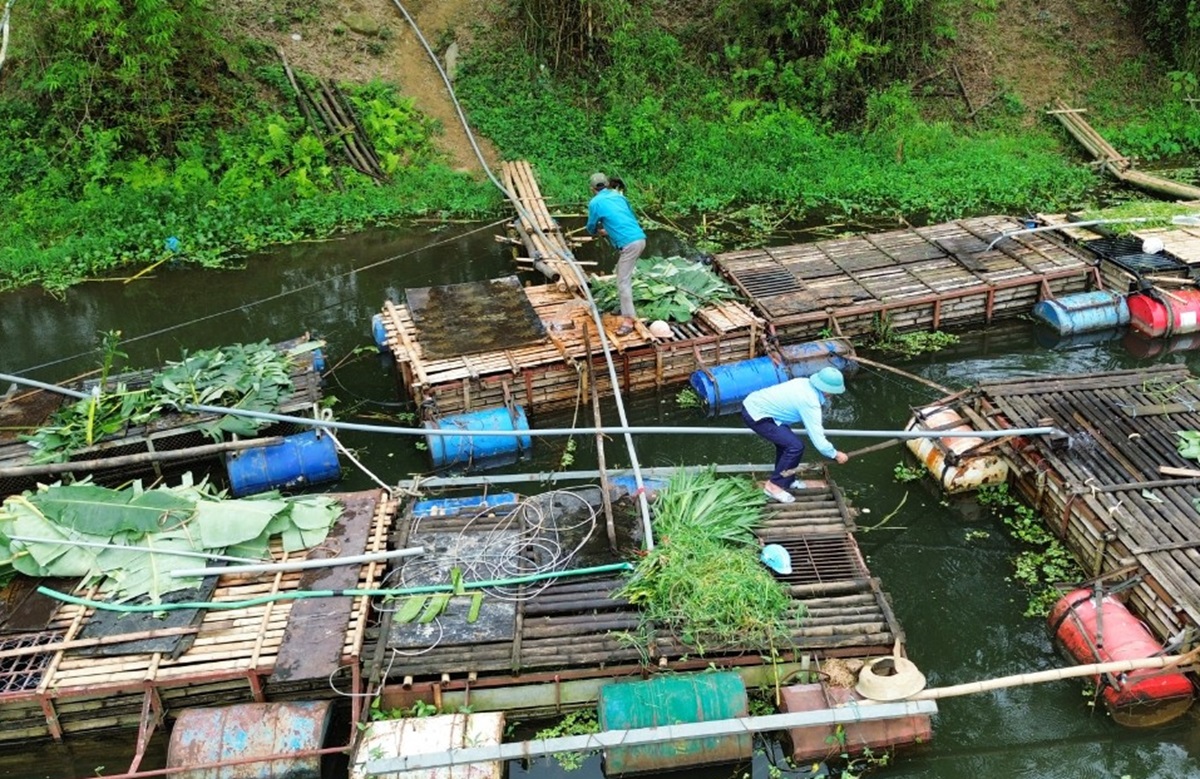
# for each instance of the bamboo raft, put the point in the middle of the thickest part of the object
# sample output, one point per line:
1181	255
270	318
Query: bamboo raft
136	451
579	629
1105	495
1112	161
552	374
917	278
50	686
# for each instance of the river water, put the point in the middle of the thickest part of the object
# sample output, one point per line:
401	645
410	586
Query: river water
951	592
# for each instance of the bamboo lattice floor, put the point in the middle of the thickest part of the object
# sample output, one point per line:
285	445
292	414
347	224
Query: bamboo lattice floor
1105	494
917	278
51	691
579	628
551	374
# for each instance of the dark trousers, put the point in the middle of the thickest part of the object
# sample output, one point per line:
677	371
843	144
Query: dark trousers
789	447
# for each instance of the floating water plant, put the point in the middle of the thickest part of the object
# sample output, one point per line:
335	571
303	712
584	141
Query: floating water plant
703	580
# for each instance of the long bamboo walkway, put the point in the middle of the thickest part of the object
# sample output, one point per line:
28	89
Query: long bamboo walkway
1104	493
580	629
1112	161
60	679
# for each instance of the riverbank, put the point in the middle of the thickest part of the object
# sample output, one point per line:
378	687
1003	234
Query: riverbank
91	194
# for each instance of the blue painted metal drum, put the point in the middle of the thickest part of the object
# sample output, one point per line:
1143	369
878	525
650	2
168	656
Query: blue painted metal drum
722	388
467	449
300	460
1084	312
236	734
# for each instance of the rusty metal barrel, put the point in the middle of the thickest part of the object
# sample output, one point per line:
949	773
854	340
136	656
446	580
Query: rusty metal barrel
249	741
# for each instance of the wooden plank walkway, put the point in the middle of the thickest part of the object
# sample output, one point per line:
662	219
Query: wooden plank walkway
917	278
1105	495
579	628
170	432
47	691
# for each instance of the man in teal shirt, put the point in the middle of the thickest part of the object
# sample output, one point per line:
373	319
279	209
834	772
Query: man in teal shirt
771	411
609	214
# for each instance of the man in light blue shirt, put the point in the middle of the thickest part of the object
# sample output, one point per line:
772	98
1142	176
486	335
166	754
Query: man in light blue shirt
609	214
772	411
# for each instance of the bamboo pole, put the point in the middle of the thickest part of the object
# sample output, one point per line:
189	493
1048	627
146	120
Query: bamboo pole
136	459
1054	675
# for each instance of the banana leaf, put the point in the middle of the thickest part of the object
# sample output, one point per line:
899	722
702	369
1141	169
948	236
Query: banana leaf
105	512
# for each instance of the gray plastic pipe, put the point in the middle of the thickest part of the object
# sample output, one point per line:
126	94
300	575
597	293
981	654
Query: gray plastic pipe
1190	220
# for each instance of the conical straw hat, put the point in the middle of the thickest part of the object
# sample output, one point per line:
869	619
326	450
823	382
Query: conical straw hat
889	678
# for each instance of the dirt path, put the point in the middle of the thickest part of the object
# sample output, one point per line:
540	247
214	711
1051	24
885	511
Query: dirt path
361	40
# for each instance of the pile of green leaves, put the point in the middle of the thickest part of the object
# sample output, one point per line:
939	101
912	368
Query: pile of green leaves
187	518
254	377
703	580
667	288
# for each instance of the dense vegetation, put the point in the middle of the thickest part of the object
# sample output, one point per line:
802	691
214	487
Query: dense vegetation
131	125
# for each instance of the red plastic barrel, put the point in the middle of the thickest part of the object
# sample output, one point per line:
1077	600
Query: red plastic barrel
1175	313
1099	632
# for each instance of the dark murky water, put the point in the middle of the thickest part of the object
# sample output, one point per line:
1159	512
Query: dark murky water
961	614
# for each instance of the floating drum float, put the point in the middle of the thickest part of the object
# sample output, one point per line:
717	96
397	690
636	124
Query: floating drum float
299	460
480	451
379	332
415	736
674	700
812	742
1099	631
1084	312
440	507
722	388
274	736
1174	313
949	459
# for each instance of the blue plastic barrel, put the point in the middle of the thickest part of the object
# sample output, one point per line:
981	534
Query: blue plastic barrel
238	733
673	700
466	449
801	360
437	507
379	332
299	460
629	484
1084	312
318	361
723	387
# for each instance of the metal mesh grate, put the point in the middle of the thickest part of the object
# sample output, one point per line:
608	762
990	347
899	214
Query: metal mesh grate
761	282
823	558
1126	252
24	671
